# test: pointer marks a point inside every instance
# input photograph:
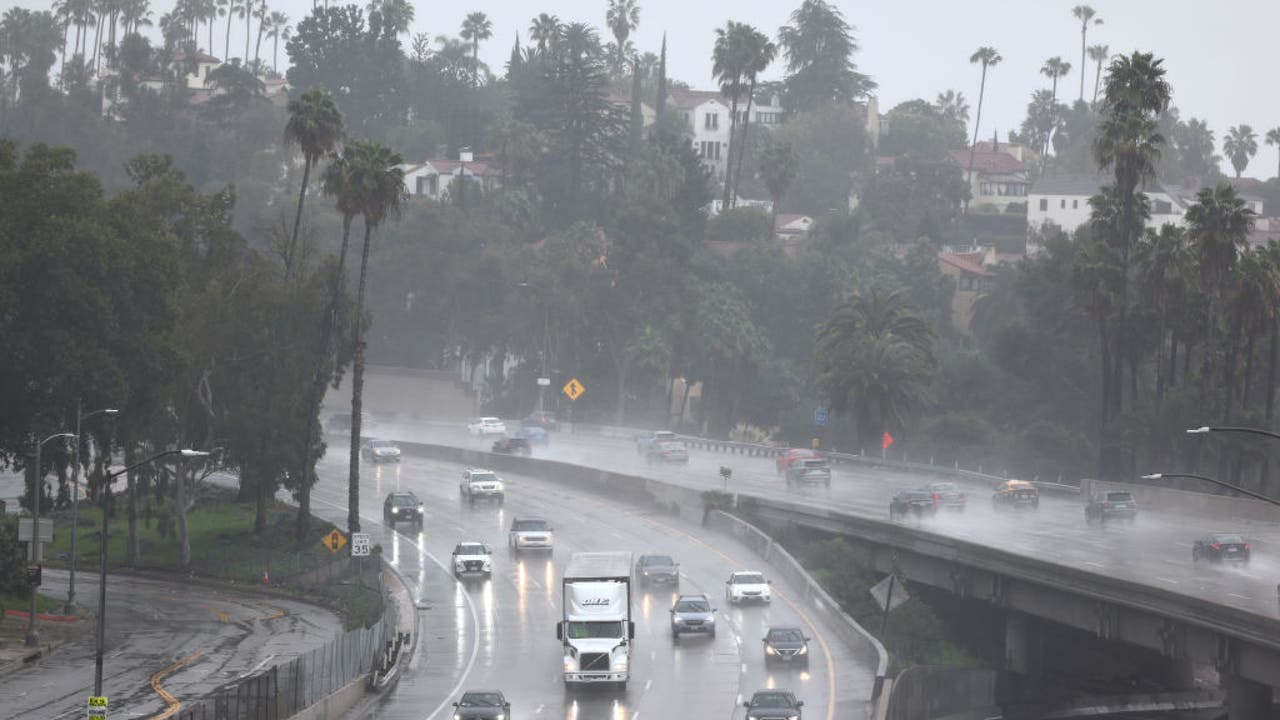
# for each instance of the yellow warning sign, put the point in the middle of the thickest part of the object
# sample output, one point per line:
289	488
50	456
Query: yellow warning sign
335	541
574	389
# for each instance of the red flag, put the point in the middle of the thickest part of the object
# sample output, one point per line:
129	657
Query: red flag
885	441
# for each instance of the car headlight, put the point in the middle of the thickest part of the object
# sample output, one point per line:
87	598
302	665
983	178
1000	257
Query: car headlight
486	566
457	716
395	510
793	717
679	620
768	650
804	650
500	716
500	487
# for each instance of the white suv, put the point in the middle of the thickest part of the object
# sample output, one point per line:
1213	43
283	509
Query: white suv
530	534
487	426
748	586
479	484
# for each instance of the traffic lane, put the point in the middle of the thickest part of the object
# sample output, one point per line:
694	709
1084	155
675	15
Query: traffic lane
538	579
151	625
447	642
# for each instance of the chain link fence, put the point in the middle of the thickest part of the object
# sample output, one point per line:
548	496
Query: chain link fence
286	689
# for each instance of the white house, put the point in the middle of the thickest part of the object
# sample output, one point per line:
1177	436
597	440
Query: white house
1063	200
999	178
435	179
706	114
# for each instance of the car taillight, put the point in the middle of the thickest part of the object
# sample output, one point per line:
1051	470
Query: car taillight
1246	546
1216	546
935	496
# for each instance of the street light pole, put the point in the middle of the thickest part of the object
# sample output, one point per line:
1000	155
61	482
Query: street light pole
1219	483
75	498
1252	431
102	573
36	555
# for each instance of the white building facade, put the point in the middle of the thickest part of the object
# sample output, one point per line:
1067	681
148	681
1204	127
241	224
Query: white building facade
707	115
1063	200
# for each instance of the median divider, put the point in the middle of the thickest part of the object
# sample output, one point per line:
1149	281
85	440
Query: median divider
688	503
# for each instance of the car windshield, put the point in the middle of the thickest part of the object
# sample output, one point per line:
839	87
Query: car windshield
481	700
1228	539
470	549
785	635
529	526
748	579
693	606
483	477
657	561
382	444
1119	497
911	496
403	500
594	629
770	700
490	421
670	446
942	488
664	435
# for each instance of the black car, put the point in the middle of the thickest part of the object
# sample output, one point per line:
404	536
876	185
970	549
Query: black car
482	705
1221	547
402	507
786	645
1015	495
807	471
512	446
543	419
946	495
658	570
773	705
1111	505
912	502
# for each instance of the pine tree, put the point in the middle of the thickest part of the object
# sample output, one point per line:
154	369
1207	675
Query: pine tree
660	106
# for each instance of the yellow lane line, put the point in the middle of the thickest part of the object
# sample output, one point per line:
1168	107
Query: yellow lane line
826	651
174	705
220	614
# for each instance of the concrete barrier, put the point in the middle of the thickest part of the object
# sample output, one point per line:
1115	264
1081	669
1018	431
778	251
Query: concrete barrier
335	705
928	692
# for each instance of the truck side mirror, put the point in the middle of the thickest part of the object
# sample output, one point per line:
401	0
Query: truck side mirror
746	704
631	630
560	631
800	703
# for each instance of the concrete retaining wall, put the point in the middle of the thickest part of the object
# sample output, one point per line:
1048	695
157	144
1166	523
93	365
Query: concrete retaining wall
335	705
1154	497
928	692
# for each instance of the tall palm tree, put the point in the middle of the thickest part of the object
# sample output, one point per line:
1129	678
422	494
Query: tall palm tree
729	63
396	14
1086	16
989	58
373	184
760	53
279	23
1254	302
315	126
1098	54
248	28
476	27
229	8
778	167
544	29
1054	68
1273	138
1240	145
264	21
622	17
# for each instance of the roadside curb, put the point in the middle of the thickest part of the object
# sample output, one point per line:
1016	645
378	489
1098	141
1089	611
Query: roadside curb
43	617
413	642
29	658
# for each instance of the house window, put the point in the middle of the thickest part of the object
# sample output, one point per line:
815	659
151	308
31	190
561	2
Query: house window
1162	207
711	121
743	117
709	150
1075	204
421	187
433	185
688	120
1063	206
1044	204
985	189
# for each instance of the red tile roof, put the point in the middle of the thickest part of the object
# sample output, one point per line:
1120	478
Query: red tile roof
964	263
1027	150
989	163
692	98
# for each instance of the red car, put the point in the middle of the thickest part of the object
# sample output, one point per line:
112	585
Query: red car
785	460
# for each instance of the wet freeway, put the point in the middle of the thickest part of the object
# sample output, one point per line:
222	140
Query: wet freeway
500	633
1155	550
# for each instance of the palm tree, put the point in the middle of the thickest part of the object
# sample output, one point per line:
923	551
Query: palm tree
1255	300
279	23
315	126
778	167
1240	145
729	63
373	184
396	14
622	17
1086	16
875	359
544	30
1054	68
264	18
229	8
1273	138
760	52
476	27
989	58
1098	54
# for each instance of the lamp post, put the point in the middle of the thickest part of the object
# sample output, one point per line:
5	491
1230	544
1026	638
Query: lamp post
75	498
1252	431
544	349
36	488
1219	483
102	573
464	157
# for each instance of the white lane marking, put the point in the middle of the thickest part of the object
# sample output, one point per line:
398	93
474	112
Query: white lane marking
539	710
1094	564
744	668
257	667
653	655
1242	597
648	684
471	607
1171	581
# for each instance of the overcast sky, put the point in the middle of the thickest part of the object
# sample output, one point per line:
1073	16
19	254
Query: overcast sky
1220	56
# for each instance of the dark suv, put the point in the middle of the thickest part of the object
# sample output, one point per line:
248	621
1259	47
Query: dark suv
773	705
1111	505
912	502
657	570
1221	547
402	507
511	446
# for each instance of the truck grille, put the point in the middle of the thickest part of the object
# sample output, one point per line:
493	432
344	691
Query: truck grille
594	661
474	565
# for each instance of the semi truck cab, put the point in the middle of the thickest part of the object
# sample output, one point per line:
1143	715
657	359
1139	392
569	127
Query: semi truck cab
596	631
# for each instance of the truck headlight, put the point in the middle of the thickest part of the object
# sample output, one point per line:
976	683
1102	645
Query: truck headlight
570	664
620	663
793	717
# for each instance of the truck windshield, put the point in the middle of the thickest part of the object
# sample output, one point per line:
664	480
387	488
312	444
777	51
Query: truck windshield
587	630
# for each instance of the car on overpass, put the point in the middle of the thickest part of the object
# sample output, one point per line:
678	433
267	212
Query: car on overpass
947	496
511	446
1110	505
791	455
648	440
667	451
1015	495
786	646
809	471
487	426
402	507
542	419
912	503
482	705
535	435
1221	547
773	705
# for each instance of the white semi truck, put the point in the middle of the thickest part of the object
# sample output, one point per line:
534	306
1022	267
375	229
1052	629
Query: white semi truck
597	631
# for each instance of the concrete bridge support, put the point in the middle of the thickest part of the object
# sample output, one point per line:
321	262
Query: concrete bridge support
1247	699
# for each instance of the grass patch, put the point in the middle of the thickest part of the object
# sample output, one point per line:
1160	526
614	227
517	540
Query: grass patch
22	601
224	548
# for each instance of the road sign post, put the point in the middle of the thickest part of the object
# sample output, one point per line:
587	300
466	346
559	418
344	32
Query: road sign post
361	546
820	416
97	707
335	541
574	389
